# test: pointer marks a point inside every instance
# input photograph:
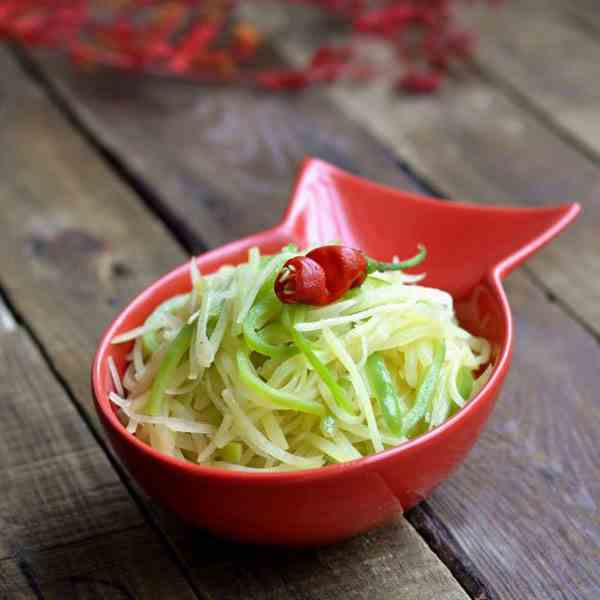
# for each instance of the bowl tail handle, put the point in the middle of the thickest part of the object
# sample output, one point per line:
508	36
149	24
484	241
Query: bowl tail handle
524	231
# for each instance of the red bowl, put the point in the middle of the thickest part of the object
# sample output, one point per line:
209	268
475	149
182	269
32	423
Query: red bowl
470	248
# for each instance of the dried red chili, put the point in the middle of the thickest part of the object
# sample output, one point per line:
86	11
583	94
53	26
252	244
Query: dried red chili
194	45
328	63
283	79
177	37
246	40
326	273
420	83
387	21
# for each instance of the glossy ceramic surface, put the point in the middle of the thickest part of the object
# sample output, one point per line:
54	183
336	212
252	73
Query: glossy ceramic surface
471	248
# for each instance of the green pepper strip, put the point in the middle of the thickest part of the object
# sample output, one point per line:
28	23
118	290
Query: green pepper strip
383	388
464	382
375	265
150	339
179	346
324	372
274	329
266	307
232	452
255	340
279	397
425	391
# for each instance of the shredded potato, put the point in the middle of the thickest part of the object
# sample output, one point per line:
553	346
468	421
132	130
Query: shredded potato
227	376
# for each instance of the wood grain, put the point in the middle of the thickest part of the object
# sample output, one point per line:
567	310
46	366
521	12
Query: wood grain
88	244
564	93
515	47
387	563
473	141
526	505
63	230
226	141
127	565
477	142
586	15
540	516
525	509
60	495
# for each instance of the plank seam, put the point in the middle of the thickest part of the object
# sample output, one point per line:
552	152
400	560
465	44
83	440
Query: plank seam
588	28
121	473
29	575
85	540
445	546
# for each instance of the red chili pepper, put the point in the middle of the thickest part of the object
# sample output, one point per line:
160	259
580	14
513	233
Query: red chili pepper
194	44
328	63
329	55
386	22
31	29
85	54
283	79
176	36
302	280
461	44
420	83
246	41
326	273
219	63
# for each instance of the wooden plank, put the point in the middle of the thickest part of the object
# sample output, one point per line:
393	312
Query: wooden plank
390	562
515	46
526	505
60	495
68	217
227	140
564	91
74	247
460	140
99	568
474	141
538	510
585	13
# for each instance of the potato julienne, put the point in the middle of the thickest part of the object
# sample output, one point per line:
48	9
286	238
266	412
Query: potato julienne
228	375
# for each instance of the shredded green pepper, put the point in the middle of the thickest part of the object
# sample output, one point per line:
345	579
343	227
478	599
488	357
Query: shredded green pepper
274	331
232	452
383	389
265	309
375	265
324	372
279	397
464	382
175	352
425	390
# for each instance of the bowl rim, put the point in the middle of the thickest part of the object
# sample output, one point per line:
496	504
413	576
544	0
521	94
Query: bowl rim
331	471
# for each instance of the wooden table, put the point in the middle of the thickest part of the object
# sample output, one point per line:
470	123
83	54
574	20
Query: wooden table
108	182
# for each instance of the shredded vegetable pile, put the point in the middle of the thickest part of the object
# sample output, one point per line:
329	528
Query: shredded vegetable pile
228	376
